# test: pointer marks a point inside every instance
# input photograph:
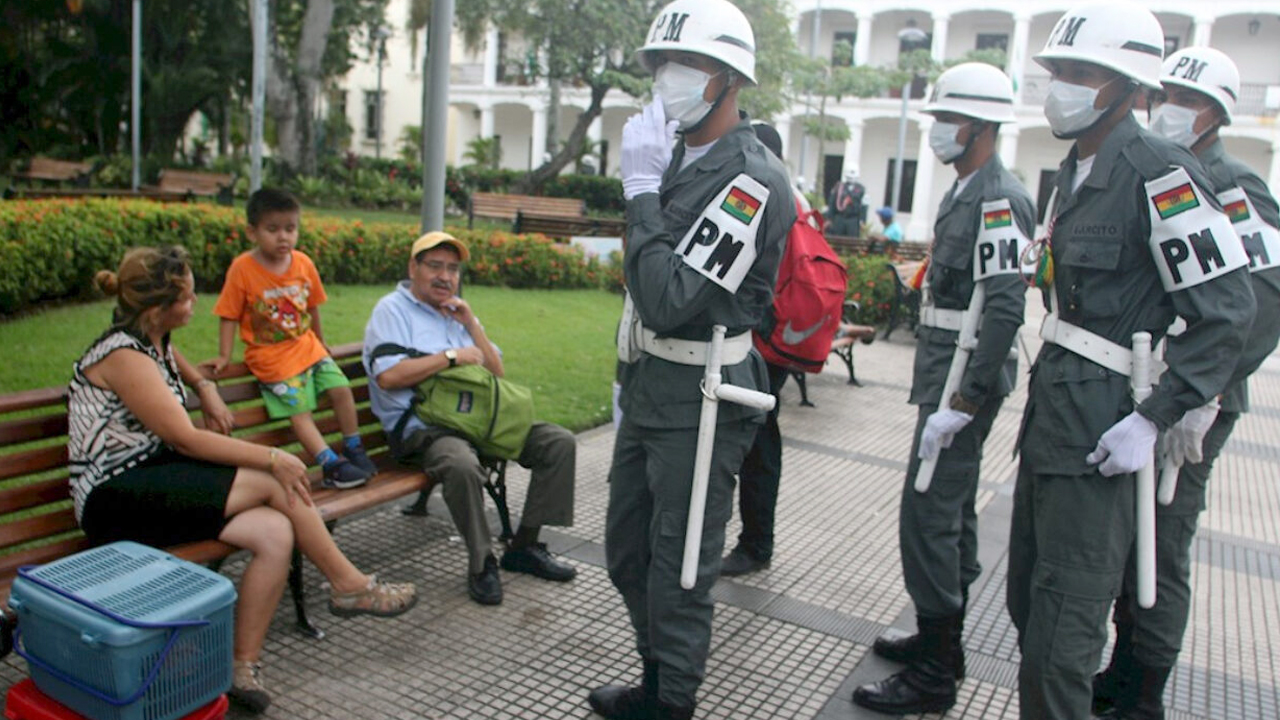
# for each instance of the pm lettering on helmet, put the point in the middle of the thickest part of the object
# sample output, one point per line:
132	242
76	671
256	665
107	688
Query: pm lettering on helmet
1064	33
1001	243
1191	241
1188	68
670	26
721	243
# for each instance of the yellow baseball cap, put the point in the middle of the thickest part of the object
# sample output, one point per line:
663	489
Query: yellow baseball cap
437	238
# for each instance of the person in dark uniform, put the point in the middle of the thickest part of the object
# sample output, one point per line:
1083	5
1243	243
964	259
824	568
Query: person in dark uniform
706	226
1135	238
1199	96
937	529
846	206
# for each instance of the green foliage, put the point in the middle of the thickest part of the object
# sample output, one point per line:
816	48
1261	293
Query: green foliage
871	286
411	143
484	152
52	248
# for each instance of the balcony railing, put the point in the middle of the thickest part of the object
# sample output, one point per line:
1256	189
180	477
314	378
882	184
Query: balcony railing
1254	97
466	74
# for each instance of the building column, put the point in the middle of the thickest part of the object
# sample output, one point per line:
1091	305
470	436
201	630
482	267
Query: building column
862	43
853	148
1018	54
1202	32
922	194
1009	144
539	136
491	57
486	121
939	49
783	125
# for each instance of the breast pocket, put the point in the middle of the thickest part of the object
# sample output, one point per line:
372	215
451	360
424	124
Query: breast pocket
1091	264
952	275
1084	403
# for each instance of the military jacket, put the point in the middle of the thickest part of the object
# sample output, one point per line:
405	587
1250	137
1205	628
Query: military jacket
951	284
1226	172
1107	282
674	299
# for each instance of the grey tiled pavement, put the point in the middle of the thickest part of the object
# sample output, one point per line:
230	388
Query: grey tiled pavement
789	642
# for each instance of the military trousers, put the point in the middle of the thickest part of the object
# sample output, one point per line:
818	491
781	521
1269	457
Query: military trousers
938	530
1155	633
759	478
550	452
649	488
1069	541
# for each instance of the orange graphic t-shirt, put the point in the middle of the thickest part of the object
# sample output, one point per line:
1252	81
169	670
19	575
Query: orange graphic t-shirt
274	312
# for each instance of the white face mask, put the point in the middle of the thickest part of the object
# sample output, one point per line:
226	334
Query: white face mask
942	139
681	89
1175	123
1069	108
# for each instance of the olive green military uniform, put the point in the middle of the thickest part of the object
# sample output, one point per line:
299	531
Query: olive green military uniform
661	401
937	530
1155	634
1073	529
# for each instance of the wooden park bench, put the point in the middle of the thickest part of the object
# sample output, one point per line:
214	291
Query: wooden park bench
555	226
198	183
37	524
496	206
27	193
842	347
902	252
56	171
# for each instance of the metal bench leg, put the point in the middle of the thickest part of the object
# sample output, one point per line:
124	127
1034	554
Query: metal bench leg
804	389
496	484
846	354
418	508
298	593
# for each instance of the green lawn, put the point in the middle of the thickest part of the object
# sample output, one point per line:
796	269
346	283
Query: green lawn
558	342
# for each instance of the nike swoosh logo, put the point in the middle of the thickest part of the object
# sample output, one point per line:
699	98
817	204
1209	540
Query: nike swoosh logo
791	337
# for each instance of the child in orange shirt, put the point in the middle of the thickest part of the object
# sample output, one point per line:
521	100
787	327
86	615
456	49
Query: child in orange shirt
273	293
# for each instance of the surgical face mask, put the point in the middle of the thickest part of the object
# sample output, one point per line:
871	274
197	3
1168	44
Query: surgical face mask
942	139
681	89
1069	108
1176	123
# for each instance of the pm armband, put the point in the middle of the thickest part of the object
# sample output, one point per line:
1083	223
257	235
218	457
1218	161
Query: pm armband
721	242
1191	242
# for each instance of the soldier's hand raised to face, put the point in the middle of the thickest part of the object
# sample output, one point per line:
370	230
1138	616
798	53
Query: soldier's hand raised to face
646	149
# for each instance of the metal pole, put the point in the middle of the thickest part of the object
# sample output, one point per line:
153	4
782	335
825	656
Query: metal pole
259	92
382	57
902	145
434	121
808	100
135	102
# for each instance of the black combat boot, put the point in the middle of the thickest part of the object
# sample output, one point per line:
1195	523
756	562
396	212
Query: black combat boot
1146	700
1114	686
620	702
927	684
907	650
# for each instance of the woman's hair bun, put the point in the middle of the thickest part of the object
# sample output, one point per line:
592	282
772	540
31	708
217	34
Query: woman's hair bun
107	281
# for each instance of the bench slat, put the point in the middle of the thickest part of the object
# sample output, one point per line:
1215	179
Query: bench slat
40	526
387	486
33	495
10	563
32	461
29	399
38	427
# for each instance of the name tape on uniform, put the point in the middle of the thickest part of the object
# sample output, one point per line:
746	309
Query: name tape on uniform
1191	242
1000	246
1261	241
721	242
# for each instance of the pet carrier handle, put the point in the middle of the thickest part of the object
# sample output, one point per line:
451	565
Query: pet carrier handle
89	690
25	573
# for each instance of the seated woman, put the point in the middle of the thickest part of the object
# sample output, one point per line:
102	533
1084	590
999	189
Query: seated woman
140	470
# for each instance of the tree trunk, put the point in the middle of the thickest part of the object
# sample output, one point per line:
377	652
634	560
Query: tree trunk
536	178
291	92
553	116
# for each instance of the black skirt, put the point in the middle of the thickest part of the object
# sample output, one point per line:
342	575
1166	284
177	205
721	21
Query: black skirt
168	500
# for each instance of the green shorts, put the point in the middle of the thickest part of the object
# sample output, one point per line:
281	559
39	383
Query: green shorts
298	394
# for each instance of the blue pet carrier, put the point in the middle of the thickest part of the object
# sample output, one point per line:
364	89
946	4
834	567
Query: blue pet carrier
126	632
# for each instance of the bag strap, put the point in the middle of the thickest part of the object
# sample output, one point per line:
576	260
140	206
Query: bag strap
383	350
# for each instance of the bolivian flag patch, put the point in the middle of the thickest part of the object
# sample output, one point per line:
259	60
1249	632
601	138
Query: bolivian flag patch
741	205
1238	211
1174	201
996	219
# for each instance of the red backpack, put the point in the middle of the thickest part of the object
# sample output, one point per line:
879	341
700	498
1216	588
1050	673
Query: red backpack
797	331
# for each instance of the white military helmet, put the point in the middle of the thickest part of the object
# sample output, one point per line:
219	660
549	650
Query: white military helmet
975	90
1205	70
1120	35
715	28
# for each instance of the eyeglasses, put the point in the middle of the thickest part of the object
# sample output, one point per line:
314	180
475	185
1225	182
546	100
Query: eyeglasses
436	266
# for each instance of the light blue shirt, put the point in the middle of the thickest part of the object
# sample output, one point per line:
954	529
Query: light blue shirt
893	233
402	319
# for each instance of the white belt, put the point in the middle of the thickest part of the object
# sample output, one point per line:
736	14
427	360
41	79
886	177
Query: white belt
1088	345
941	318
694	352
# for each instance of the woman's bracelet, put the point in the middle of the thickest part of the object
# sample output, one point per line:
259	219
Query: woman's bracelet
271	459
203	383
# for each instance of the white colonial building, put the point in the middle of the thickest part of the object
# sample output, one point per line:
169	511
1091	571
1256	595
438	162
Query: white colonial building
490	95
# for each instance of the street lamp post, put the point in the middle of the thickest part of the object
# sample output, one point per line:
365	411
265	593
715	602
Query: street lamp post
909	34
381	35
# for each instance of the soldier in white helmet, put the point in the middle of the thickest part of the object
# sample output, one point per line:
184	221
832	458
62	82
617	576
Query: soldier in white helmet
983	226
1200	86
1135	238
706	225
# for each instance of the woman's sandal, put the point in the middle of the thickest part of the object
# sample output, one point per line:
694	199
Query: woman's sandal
379	599
247	688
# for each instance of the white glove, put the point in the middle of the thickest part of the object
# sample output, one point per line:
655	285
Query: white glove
940	429
647	139
1184	442
1126	446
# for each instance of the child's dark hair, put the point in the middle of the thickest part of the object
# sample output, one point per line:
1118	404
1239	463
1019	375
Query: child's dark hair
268	200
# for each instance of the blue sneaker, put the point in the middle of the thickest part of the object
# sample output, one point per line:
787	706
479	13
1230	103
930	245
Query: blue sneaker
344	475
360	459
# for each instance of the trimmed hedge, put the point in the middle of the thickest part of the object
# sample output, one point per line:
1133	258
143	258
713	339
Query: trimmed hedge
52	248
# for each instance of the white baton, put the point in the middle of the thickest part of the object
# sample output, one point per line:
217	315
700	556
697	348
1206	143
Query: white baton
965	344
1168	481
1140	382
712	393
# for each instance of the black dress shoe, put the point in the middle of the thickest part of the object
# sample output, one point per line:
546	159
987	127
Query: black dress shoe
909	648
909	692
535	560
740	562
485	587
619	702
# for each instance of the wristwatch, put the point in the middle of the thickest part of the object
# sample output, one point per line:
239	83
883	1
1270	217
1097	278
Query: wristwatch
959	403
452	355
